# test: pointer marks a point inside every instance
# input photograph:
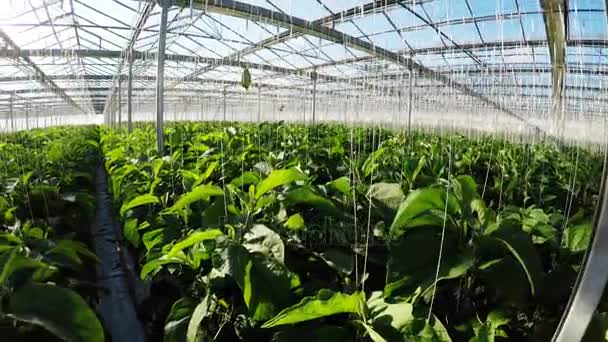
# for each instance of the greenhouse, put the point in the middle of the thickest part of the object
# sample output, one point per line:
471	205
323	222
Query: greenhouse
303	170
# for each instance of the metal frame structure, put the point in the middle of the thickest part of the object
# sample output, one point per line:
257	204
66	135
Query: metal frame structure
73	57
186	31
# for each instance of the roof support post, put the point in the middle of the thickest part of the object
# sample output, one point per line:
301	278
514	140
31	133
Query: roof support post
160	72
120	102
314	96
27	117
139	26
555	17
224	115
39	74
12	115
259	103
130	95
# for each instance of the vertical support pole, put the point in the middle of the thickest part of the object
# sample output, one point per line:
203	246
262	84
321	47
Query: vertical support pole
120	101
112	112
224	117
12	116
314	96
27	116
259	103
409	107
37	117
202	108
399	103
130	94
160	73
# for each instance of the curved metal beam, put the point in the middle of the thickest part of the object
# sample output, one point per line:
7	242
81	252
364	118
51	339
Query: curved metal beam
42	77
592	281
139	26
257	13
328	20
216	62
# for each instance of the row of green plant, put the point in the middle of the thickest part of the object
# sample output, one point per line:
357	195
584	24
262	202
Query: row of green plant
286	232
47	203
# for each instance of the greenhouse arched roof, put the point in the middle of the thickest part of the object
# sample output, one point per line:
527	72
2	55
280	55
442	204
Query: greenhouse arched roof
68	55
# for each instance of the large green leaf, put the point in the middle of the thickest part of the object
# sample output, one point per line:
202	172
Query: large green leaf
491	329
397	322
413	260
14	262
138	201
325	303
388	194
61	311
373	334
306	196
576	238
71	250
201	310
341	184
192	239
153	266
246	178
519	244
424	207
295	222
264	281
130	232
262	239
278	178
176	324
201	192
387	197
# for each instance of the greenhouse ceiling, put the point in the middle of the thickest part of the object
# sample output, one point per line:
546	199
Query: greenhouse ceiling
73	56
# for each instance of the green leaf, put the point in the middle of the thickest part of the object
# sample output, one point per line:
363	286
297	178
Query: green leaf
201	192
397	322
264	281
389	316
488	331
341	184
189	178
412	261
339	260
305	195
139	201
151	267
197	317
192	239
295	222
72	250
519	245
325	303
246	178
262	239
208	172
153	238
388	195
15	262
61	311
423	207
176	325
131	232
373	335
576	238
278	178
